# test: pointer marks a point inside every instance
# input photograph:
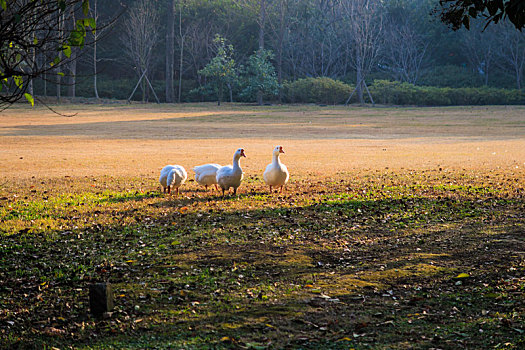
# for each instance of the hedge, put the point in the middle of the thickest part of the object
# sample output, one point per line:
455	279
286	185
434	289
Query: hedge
397	93
316	90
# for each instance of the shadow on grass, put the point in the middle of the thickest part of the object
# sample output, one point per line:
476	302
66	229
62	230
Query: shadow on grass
333	274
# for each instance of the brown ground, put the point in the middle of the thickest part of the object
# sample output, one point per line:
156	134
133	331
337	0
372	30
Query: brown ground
138	140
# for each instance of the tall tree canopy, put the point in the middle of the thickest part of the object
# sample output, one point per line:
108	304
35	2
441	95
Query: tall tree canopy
458	13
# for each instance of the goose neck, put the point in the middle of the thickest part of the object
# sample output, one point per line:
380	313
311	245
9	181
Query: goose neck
276	159
236	162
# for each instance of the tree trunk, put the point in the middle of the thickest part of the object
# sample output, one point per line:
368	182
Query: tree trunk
95	39
220	94
73	62
181	58
280	49
359	86
231	92
170	52
262	21
143	87
59	33
95	67
71	88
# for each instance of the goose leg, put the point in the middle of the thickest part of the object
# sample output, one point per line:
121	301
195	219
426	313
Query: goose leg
177	191
235	191
223	192
216	187
270	188
169	189
281	191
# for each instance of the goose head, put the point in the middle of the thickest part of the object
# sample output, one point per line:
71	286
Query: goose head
277	150
239	153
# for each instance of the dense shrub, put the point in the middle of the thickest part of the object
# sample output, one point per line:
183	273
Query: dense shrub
309	90
316	90
397	93
450	76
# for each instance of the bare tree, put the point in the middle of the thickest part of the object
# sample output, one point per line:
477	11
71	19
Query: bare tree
511	52
313	44
279	27
364	34
170	51
104	26
199	45
404	51
140	37
259	8
182	42
479	46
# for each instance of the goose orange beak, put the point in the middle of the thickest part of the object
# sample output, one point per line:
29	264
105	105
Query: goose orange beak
242	153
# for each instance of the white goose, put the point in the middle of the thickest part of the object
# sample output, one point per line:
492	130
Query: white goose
172	175
231	176
276	173
207	174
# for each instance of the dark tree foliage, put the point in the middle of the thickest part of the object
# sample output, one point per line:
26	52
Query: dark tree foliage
458	13
37	37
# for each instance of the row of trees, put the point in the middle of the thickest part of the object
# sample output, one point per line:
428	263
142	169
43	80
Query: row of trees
170	46
344	39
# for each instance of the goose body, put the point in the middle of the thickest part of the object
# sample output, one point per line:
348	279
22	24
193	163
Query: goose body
206	174
276	173
172	176
231	175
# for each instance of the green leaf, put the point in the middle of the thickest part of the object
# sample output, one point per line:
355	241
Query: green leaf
30	99
35	40
462	275
85	7
3	3
61	74
18	81
90	22
67	50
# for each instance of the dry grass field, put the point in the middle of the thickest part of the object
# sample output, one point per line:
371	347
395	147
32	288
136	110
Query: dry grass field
400	228
133	140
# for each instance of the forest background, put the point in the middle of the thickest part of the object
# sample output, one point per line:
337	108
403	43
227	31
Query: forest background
316	51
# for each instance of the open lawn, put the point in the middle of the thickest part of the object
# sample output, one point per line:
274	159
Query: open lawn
400	228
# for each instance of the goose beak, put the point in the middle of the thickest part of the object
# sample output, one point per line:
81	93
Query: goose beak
242	153
281	150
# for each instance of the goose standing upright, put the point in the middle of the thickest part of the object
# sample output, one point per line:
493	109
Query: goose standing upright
172	175
207	174
276	173
231	175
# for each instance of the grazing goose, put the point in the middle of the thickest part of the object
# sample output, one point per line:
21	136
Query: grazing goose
172	175
207	174
231	176
276	173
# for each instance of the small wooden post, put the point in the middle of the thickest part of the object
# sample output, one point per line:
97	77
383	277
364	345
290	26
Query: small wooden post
100	298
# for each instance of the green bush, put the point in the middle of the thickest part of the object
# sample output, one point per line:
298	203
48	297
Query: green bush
450	76
316	90
397	93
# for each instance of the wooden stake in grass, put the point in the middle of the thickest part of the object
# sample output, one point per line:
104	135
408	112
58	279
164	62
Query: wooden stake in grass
100	298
